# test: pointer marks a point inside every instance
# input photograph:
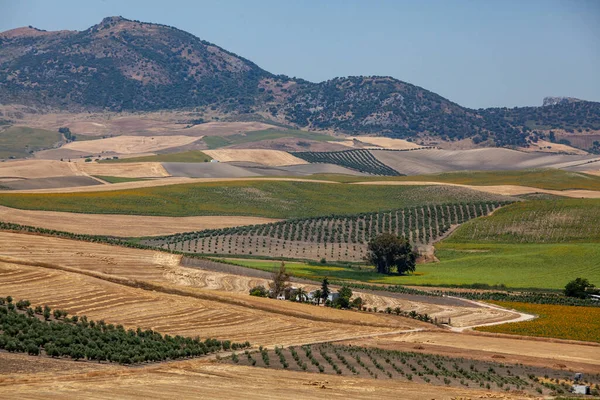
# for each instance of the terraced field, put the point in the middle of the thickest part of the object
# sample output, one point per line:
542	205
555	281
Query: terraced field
332	237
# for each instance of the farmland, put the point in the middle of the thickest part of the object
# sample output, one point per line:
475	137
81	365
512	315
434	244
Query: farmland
261	198
557	221
215	142
464	265
564	322
410	366
186	156
341	237
21	141
359	160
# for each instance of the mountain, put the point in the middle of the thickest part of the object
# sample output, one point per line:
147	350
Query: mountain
124	65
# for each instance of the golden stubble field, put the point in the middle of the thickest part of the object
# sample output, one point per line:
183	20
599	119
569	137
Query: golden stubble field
196	379
122	225
164	269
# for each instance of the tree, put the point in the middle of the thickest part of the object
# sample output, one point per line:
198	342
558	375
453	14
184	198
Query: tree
318	295
301	295
357	303
388	252
578	288
258	291
345	293
280	281
325	289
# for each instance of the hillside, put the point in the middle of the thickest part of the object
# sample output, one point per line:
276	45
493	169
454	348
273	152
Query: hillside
124	65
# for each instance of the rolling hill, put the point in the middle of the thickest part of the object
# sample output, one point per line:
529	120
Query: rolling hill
125	65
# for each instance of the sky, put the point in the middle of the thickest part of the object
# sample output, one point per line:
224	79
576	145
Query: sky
477	53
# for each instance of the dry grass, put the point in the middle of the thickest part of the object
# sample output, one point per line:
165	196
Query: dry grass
130	144
266	157
122	225
199	379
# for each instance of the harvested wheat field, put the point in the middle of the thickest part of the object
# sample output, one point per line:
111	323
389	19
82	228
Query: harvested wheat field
165	269
130	144
265	157
122	225
200	379
187	313
379	143
124	170
534	351
31	169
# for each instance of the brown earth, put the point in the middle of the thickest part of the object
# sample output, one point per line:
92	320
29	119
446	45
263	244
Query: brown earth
549	147
124	170
367	142
201	379
122	225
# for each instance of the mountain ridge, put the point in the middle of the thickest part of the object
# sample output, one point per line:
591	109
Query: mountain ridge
128	65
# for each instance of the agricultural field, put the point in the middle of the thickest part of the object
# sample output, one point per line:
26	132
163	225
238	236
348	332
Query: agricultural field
21	141
555	321
409	366
193	156
359	160
260	156
77	337
260	198
342	237
118	179
215	142
548	221
130	144
552	179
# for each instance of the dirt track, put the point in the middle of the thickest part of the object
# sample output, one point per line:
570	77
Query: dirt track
122	225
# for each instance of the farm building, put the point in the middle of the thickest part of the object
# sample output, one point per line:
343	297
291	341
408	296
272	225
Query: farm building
580	389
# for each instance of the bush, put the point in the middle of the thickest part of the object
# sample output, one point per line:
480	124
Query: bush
259	291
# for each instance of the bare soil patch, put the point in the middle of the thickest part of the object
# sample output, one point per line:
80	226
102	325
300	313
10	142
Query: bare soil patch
51	183
367	142
544	146
30	169
125	170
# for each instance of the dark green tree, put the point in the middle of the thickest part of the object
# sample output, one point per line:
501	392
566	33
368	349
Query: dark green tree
578	288
388	252
325	289
345	293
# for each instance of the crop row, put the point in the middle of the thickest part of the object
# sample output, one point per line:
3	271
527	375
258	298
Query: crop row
41	330
359	160
421	225
417	367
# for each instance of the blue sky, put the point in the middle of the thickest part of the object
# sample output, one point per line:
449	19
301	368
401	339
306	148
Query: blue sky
478	53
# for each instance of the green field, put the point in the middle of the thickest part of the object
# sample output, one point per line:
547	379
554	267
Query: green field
187	156
266	198
540	221
543	266
550	179
214	142
21	141
118	179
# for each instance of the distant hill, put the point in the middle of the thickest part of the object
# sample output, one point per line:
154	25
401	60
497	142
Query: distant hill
124	65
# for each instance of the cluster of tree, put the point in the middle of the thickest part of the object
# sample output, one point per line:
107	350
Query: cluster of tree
41	330
580	288
67	134
390	253
359	160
